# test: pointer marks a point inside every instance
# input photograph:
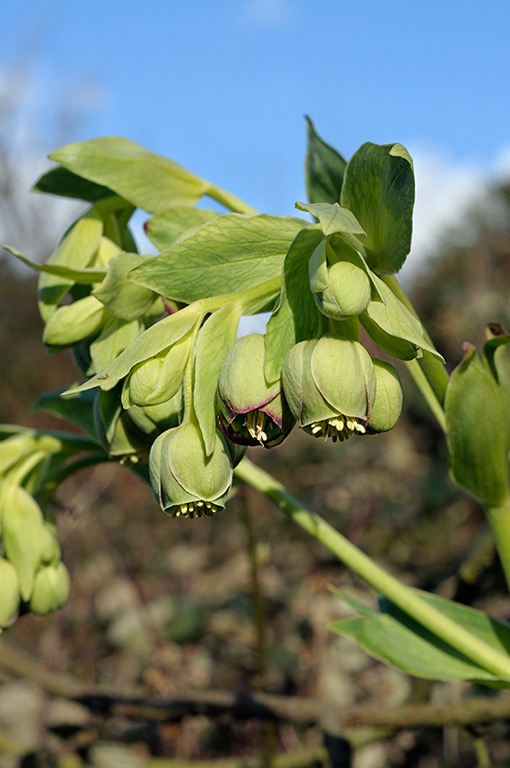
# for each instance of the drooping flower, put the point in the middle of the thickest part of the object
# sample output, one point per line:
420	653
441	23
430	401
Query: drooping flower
186	481
252	411
330	385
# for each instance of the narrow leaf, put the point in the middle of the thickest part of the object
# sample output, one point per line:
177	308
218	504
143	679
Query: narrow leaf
215	338
85	276
296	317
156	338
76	408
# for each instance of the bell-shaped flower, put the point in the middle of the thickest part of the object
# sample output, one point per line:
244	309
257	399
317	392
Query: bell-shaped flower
186	481
330	385
252	411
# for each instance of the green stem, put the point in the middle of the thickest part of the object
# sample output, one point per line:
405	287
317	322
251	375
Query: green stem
403	597
230	201
433	369
499	519
248	299
428	393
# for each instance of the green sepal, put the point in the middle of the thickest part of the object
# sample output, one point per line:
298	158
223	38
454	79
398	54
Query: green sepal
22	533
379	189
164	229
73	323
477	410
214	340
227	254
339	279
324	169
296	316
52	586
148	180
9	592
393	637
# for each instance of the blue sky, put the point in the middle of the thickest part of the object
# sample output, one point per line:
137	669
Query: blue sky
222	86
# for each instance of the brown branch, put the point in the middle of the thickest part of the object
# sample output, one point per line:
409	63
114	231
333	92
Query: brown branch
263	706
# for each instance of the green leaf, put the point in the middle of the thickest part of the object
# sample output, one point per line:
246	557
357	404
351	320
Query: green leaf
148	180
60	181
296	317
76	250
379	190
478	429
123	298
85	276
392	326
215	338
156	338
228	254
76	408
116	335
324	169
394	638
165	228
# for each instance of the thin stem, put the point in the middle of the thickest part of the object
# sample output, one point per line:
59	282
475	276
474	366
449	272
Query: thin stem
230	201
428	393
499	519
433	369
403	597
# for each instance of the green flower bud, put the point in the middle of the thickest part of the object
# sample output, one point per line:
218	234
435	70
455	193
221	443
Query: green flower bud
9	591
186	482
151	420
330	385
339	280
23	532
50	547
387	405
251	410
73	323
52	586
158	379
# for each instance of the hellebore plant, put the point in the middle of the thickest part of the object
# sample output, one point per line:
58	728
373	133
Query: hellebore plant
170	392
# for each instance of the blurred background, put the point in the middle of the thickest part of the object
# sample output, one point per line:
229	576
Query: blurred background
162	608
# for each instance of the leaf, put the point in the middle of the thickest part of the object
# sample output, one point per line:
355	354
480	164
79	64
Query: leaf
296	318
228	254
478	429
116	335
76	408
379	189
215	338
164	229
333	218
396	322
22	534
123	298
148	180
60	181
394	638
324	169
86	276
76	250
156	338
